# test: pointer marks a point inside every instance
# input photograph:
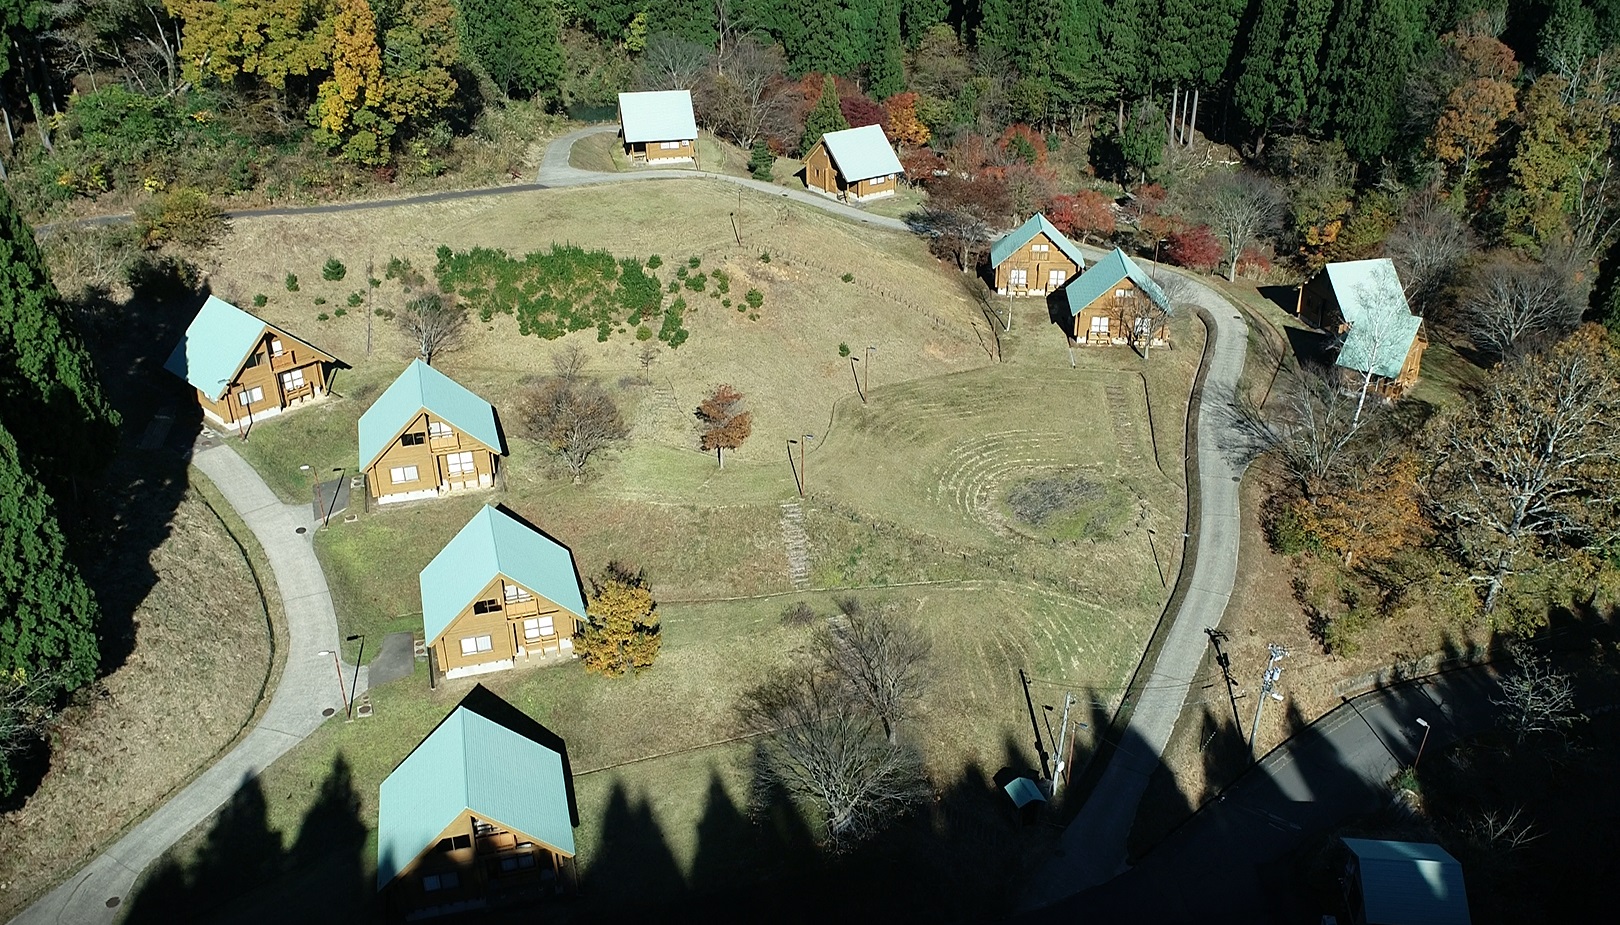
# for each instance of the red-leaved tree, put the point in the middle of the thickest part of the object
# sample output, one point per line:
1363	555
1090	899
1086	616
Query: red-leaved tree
1195	248
1086	215
725	424
859	110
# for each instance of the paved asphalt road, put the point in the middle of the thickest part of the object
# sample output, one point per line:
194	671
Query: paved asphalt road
1246	858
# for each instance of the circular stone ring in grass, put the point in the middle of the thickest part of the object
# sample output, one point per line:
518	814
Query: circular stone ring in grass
1066	505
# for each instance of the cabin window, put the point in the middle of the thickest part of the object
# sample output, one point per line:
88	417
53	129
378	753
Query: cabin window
492	605
1018	278
461	464
1040	250
1099	324
517	862
669	145
1055	278
451	844
439	430
516	594
1121	293
254	359
536	627
250	396
472	645
416	439
293	381
402	474
449	880
275	348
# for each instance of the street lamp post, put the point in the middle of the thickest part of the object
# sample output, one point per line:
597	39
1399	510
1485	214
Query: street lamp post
804	481
1425	724
343	695
358	656
867	372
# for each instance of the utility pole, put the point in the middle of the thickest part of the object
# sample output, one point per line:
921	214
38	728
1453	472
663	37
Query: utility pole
1030	702
1216	637
1267	682
1063	735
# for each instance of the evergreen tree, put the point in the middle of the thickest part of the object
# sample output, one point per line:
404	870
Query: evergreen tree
916	16
824	117
1213	31
50	393
1280	63
47	613
1076	56
1370	49
515	41
885	72
1125	47
832	36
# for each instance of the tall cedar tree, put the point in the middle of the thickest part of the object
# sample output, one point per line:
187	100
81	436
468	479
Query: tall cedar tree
516	43
824	117
725	424
918	16
1370	48
47	613
50	393
885	73
621	623
1280	63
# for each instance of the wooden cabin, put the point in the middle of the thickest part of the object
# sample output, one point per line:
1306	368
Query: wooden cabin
427	435
1362	304
1034	259
479	816
499	594
854	165
1402	883
1115	302
657	127
245	369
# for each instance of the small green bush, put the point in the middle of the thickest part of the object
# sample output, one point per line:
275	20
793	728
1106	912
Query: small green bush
322	316
697	282
644	333
320	300
725	303
339	312
260	300
333	270
654	262
184	216
843	350
764	256
695	262
674	286
848	277
375	282
292	282
681	272
741	309
752	317
754	298
384	314
1289	534
355	298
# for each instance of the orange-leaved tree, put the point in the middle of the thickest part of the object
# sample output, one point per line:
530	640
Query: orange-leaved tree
725	424
905	128
621	631
1372	513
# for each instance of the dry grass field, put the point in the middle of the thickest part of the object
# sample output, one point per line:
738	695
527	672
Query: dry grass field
190	686
909	494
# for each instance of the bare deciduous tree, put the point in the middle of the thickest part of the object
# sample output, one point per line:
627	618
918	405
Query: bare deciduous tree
1428	246
574	419
568	363
1536	698
25	713
436	324
824	747
670	62
1312	434
882	658
1510	300
741	102
1241	207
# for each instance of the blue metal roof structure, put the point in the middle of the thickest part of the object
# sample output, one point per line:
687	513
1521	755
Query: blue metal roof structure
422	388
657	115
216	344
1410	883
1018	237
495	543
862	153
1104	275
1373	303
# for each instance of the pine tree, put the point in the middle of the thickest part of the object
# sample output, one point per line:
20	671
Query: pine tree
917	16
50	393
1124	47
885	72
1280	63
47	613
824	117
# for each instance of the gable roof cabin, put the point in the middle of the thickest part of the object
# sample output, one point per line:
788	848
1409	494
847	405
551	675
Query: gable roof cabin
220	355
1405	883
1103	276
1023	262
658	125
422	388
489	770
855	162
1038	223
1098	301
1382	329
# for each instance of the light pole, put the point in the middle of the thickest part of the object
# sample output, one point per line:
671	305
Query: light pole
356	685
866	374
343	695
326	518
1267	682
804	481
1425	724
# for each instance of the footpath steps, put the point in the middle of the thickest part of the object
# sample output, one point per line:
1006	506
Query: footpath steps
797	544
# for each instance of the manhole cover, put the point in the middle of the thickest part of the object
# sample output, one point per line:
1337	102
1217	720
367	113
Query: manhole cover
328	711
300	530
113	901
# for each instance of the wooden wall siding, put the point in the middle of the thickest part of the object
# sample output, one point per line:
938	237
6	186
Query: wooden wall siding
476	860
1038	267
873	188
819	172
1318	305
266	374
505	629
1111	306
430	458
653	151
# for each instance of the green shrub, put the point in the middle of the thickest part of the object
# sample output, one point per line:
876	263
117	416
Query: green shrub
726	303
644	333
1289	533
321	317
355	298
695	262
760	160
654	262
697	282
848	277
674	286
333	270
292	283
320	300
722	283
764	256
383	313
754	298
752	317
375	282
260	300
339	312
681	272
843	350
1342	634
185	216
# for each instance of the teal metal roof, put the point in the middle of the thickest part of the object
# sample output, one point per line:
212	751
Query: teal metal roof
1104	275
422	388
471	762
216	343
1023	234
657	115
1410	882
1024	792
495	543
1373	303
862	153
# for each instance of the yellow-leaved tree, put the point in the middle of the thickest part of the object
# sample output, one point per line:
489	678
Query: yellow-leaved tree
344	112
621	623
268	39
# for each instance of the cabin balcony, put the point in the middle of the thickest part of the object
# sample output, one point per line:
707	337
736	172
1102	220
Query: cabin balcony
528	608
446	443
282	362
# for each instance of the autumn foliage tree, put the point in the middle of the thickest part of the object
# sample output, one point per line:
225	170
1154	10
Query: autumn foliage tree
1368	512
621	632
1087	215
354	87
575	419
904	127
1195	248
725	425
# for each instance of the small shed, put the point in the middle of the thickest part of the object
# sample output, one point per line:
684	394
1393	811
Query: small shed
1363	302
426	435
1116	302
1034	259
480	815
1403	883
246	369
499	592
855	164
658	127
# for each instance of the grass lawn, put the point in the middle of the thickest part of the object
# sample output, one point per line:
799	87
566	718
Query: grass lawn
911	501
603	153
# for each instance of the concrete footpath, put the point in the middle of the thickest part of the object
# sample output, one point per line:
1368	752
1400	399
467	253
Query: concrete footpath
304	696
1093	846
